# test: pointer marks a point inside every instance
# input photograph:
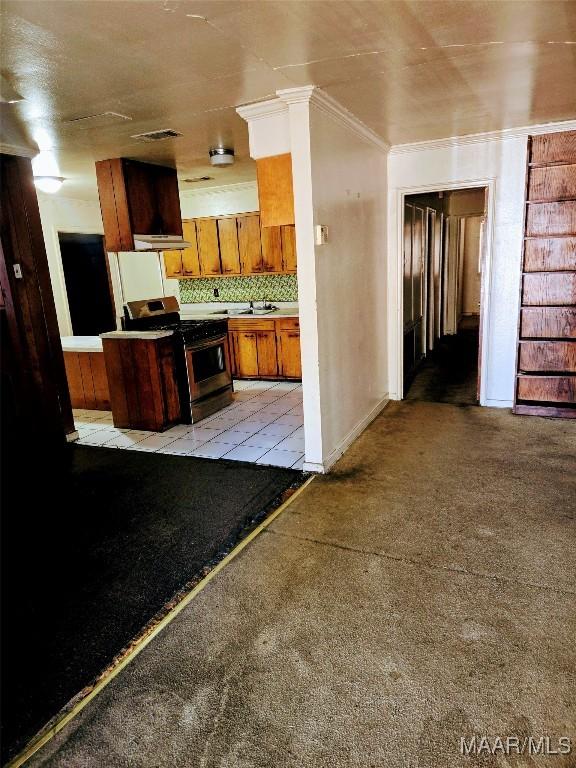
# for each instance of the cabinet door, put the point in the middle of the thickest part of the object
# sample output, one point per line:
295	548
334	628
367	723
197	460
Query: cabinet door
267	353
289	248
190	259
249	243
289	354
246	353
173	263
229	254
208	249
275	190
271	238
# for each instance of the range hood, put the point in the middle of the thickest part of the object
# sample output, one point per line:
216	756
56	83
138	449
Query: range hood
159	243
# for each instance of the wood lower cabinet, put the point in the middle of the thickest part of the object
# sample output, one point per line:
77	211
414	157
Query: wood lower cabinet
142	380
265	348
546	379
87	380
288	340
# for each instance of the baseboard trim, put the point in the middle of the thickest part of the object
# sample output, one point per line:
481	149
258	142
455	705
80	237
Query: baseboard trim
490	403
344	444
71	437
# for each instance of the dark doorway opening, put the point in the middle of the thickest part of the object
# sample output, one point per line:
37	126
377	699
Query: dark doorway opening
87	284
442	263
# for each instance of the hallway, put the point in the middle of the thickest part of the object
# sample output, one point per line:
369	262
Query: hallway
421	592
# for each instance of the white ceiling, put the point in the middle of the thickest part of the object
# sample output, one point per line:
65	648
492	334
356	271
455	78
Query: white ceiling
410	70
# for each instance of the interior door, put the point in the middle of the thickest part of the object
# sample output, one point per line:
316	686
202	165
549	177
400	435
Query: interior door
431	234
88	288
418	284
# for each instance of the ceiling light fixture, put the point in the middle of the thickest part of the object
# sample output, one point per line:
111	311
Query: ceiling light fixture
221	156
49	184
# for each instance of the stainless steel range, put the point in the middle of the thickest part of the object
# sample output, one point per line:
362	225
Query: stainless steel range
202	354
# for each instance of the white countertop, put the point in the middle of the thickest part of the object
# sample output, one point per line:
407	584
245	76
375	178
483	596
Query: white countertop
81	343
147	335
210	311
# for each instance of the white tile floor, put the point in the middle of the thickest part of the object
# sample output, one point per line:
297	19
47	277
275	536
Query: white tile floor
264	425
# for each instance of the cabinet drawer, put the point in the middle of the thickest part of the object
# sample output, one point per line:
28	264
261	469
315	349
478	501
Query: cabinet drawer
549	389
557	182
557	356
250	324
551	219
288	324
550	254
554	148
549	289
548	322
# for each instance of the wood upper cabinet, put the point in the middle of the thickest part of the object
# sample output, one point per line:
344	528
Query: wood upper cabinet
137	198
229	248
275	190
271	239
288	248
233	245
249	244
186	263
208	248
190	257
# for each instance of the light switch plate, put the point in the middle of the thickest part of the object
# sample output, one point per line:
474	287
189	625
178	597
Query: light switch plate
18	271
321	234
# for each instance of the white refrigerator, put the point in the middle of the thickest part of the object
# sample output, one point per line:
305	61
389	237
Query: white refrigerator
138	276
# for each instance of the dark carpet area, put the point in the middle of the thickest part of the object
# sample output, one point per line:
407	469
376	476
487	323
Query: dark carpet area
449	373
95	542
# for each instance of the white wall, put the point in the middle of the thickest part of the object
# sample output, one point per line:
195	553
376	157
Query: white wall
499	162
62	214
339	179
349	196
219	201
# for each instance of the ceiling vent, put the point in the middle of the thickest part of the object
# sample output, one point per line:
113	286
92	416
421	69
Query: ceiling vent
100	120
167	133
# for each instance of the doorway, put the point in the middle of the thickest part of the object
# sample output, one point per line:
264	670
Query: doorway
87	281
443	257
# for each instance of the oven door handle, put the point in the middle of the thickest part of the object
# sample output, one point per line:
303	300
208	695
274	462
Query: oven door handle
213	341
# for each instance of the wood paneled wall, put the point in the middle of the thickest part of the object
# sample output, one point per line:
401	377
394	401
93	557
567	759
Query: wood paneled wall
39	392
546	380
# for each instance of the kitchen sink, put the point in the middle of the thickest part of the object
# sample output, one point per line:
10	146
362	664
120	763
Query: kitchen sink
251	311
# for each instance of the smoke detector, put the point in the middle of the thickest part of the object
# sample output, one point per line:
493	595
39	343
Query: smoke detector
166	133
221	156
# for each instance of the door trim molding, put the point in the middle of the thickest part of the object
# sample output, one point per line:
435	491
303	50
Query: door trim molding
396	324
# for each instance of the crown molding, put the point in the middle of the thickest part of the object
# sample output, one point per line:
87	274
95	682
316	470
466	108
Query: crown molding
329	106
479	138
262	109
18	150
241	186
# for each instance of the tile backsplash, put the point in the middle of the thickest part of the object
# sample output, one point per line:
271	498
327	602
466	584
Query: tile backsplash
253	288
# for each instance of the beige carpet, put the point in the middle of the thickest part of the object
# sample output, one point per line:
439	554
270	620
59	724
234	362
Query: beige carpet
422	592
